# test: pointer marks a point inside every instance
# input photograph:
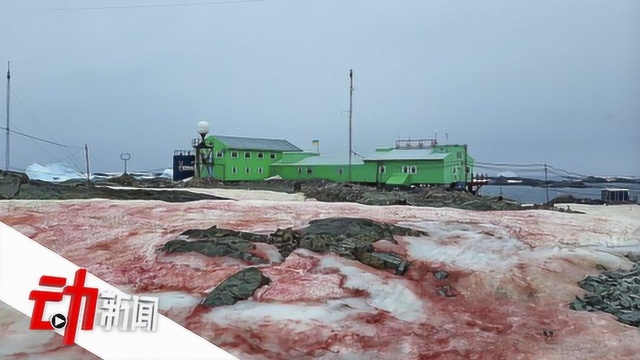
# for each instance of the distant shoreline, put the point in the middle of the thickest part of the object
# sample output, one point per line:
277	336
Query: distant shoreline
587	182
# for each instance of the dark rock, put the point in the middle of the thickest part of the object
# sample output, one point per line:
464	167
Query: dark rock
570	199
362	229
351	238
635	258
297	186
419	196
40	190
383	261
441	275
445	291
215	232
10	184
125	180
240	286
616	292
231	246
631	318
18	186
285	240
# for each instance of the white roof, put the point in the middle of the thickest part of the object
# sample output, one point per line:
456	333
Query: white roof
324	160
415	154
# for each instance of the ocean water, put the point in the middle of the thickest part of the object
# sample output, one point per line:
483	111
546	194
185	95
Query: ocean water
535	195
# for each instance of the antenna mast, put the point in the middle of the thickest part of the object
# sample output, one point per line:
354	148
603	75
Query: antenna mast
7	152
350	118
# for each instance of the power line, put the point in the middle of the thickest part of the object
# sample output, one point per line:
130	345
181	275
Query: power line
39	139
508	165
145	6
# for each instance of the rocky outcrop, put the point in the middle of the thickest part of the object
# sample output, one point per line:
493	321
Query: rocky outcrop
218	242
10	184
240	286
351	238
125	180
616	292
18	186
227	246
570	199
431	197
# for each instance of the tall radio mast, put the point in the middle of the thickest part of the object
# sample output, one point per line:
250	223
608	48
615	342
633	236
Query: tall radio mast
350	117
7	153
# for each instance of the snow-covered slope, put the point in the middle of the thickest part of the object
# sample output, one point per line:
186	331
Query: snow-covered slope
513	273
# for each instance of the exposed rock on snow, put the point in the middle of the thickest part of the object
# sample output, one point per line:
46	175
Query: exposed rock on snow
615	292
239	286
351	238
227	246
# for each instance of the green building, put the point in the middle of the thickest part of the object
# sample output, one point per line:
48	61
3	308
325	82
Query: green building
242	158
409	162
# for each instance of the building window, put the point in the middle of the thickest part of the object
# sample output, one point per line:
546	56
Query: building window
219	154
309	171
234	154
340	171
260	155
405	169
453	169
234	170
414	169
272	156
260	170
382	169
247	155
299	170
459	155
247	170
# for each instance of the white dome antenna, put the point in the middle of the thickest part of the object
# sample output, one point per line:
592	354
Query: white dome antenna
203	128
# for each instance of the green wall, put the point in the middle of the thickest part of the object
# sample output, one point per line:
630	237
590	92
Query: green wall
338	172
241	165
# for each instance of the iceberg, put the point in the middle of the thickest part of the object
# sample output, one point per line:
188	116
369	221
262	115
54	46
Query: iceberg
57	172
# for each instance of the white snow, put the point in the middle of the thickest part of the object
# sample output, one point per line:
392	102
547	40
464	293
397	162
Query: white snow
235	194
303	315
391	295
174	300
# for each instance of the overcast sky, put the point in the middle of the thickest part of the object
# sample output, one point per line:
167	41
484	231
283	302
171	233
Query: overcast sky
518	81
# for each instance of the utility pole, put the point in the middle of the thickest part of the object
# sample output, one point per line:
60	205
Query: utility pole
466	174
546	182
86	158
7	153
350	120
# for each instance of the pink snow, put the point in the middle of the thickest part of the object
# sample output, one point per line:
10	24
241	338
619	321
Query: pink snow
513	274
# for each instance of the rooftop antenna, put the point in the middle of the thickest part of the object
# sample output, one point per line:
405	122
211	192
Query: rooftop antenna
350	119
7	153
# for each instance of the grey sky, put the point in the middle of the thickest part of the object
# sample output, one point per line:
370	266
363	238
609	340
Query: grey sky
519	81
